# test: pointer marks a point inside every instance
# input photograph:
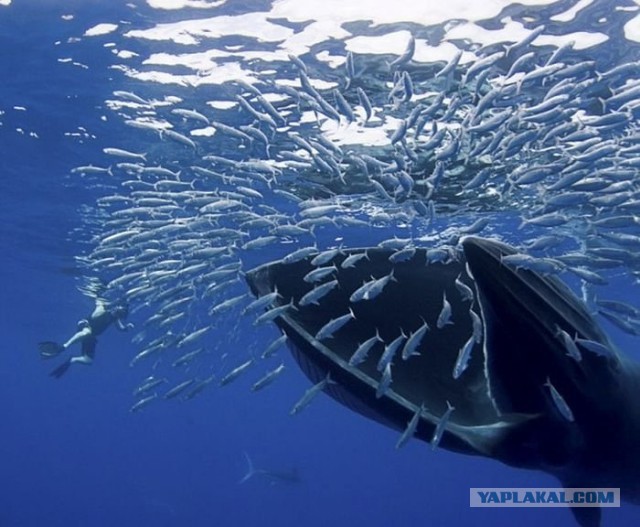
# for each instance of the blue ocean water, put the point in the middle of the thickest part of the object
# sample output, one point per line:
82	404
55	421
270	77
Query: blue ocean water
72	452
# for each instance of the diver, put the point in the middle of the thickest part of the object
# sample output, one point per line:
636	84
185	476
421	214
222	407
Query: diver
88	329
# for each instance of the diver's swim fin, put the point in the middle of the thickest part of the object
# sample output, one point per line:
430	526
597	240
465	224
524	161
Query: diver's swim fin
49	349
61	370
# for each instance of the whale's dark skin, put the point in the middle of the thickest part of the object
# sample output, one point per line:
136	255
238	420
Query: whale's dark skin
503	409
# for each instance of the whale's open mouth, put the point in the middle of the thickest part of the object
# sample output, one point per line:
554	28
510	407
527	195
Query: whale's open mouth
419	332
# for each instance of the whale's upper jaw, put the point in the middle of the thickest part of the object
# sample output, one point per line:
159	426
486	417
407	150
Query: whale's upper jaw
523	312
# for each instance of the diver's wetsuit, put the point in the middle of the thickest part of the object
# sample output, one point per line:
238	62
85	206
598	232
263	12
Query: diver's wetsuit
88	330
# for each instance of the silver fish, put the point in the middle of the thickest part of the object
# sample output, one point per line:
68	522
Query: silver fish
444	318
327	331
441	426
139	405
412	425
236	372
310	394
385	382
360	355
267	379
411	346
559	402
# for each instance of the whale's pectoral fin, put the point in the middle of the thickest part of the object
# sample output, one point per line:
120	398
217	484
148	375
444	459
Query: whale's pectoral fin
587	516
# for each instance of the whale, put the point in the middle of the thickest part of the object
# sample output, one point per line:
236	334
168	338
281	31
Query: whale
505	361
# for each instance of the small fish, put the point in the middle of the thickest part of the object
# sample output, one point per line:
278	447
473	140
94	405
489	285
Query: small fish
365	103
441	427
569	344
360	355
594	347
481	64
148	384
451	65
327	331
478	327
119	152
317	293
273	347
466	293
411	346
310	394
149	350
191	337
407	55
350	67
390	351
199	387
178	138
444	317
298	63
361	293
259	243
236	372
535	33
325	257
319	274
273	313
227	305
622	308
463	358
377	286
139	405
190	114
559	402
402	255
623	322
412	425
343	106
553	219
589	276
178	389
261	302
399	133
131	97
385	382
187	357
267	379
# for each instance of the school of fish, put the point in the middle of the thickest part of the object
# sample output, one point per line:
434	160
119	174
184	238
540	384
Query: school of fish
505	133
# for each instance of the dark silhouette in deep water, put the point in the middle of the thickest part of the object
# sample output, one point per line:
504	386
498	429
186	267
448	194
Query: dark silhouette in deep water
528	396
272	476
89	329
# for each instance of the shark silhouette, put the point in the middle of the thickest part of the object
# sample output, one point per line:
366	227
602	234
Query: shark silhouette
528	397
272	476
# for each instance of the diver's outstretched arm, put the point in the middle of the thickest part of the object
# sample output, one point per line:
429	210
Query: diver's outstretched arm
122	326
